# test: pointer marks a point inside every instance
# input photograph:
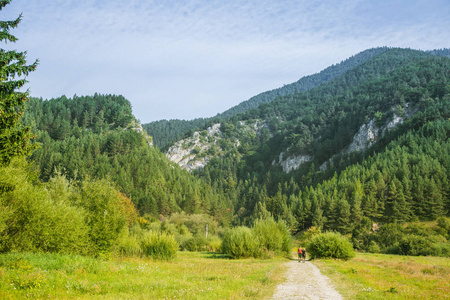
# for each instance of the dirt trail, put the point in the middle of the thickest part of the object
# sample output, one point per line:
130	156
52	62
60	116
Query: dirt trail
304	281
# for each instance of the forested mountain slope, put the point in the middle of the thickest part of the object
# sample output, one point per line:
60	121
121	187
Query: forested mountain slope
402	173
97	136
305	83
166	132
400	95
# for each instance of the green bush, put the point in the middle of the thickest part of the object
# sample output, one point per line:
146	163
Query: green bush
104	216
39	218
239	242
389	234
196	223
440	249
393	249
159	245
196	243
415	245
272	236
332	245
128	244
373	247
443	227
214	243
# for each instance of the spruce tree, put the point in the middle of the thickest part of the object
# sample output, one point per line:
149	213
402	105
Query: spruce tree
14	138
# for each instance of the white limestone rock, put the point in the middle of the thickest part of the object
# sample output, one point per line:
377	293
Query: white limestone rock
365	137
292	162
186	152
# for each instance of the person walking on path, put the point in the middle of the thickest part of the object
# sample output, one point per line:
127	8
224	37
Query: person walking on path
304	254
300	254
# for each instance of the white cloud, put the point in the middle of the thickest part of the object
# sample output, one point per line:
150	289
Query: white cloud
196	58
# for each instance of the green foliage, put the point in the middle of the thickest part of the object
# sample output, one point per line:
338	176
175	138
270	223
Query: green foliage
196	243
38	218
411	244
330	245
239	242
128	244
15	139
195	223
417	239
104	216
272	236
113	147
60	216
265	237
159	245
443	227
373	247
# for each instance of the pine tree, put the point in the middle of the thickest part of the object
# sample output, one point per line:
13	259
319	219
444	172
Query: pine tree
343	214
14	138
370	202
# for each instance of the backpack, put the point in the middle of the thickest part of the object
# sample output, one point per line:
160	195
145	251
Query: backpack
300	250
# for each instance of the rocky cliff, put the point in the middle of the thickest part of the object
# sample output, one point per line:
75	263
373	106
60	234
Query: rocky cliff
194	152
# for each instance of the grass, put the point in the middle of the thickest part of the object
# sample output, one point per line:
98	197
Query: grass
190	276
380	276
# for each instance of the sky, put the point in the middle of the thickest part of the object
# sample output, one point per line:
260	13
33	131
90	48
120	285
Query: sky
186	59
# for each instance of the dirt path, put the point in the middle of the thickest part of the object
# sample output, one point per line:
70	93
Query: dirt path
304	281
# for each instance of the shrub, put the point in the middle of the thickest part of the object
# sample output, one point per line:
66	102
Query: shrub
39	218
393	249
330	244
440	249
196	223
239	242
389	234
196	243
214	243
105	217
159	245
443	227
128	244
411	244
373	247
272	236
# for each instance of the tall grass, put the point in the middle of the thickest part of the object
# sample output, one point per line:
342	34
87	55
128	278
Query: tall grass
382	276
159	245
191	275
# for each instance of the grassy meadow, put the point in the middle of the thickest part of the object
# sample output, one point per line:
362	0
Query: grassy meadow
381	276
191	275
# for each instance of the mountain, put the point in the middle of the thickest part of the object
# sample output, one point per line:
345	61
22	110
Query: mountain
166	132
369	145
321	157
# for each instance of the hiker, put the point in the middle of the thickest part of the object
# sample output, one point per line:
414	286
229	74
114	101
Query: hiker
304	254
299	253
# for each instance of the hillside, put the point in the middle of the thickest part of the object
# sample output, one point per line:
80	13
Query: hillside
320	158
97	136
167	132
